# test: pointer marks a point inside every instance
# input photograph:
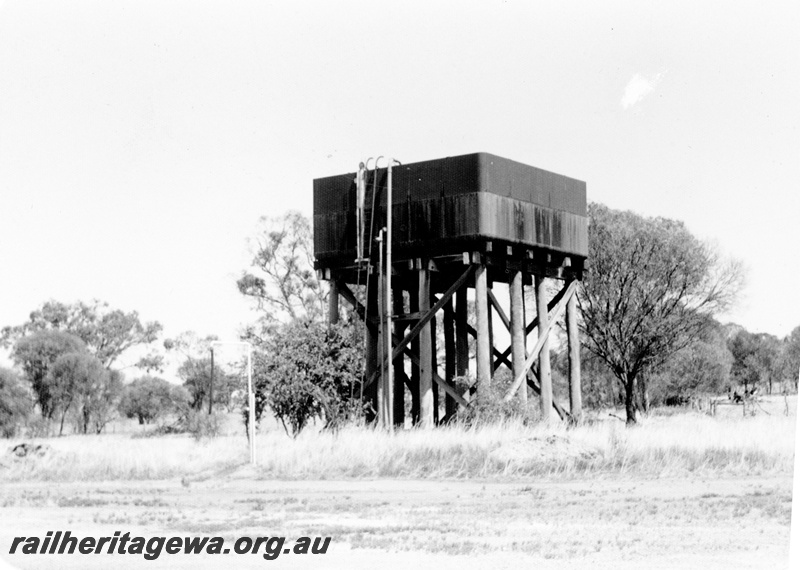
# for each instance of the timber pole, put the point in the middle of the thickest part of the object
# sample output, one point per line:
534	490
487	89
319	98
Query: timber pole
371	363
425	351
483	355
545	379
574	356
462	340
333	304
398	364
449	357
518	332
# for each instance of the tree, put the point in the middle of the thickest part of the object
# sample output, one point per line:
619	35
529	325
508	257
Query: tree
99	401
757	358
15	403
107	333
306	370
284	283
791	357
196	376
36	354
703	366
78	381
149	398
650	289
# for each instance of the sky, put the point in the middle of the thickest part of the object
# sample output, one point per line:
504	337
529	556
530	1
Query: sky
140	142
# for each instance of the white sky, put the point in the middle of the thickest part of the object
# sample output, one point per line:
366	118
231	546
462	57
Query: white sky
141	141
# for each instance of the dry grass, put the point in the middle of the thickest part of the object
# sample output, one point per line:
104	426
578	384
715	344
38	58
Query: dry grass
659	446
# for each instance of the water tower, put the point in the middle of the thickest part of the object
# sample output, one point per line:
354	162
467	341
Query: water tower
472	221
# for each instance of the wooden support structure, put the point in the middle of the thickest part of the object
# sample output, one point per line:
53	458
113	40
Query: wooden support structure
483	354
333	304
426	352
545	379
574	357
372	368
399	365
449	332
516	326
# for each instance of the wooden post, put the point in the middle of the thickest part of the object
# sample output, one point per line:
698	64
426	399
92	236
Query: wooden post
483	355
434	371
545	379
574	356
413	294
333	303
462	340
399	362
449	357
518	331
371	356
425	352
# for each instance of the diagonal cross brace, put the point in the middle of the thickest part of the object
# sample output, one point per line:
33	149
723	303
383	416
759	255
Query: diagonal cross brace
557	310
535	322
345	291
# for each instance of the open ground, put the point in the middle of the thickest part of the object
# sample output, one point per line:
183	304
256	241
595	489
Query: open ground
683	491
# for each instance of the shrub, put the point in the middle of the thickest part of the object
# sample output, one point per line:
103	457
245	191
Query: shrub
307	371
202	425
15	403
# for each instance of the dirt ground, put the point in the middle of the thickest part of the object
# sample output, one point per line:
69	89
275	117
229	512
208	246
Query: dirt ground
598	523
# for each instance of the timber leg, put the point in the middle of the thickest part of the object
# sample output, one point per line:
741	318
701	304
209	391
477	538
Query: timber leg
545	379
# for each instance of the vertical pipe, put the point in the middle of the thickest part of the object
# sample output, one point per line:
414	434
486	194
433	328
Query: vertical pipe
389	384
483	354
518	332
211	384
382	356
574	354
425	352
545	380
251	397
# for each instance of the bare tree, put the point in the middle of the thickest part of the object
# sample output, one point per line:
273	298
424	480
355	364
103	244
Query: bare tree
651	288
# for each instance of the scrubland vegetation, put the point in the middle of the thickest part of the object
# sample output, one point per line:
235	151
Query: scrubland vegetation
674	445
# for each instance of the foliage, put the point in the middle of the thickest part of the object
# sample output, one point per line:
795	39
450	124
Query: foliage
36	354
306	371
283	281
99	402
790	361
702	367
107	333
15	403
196	376
202	425
79	382
489	406
757	358
651	289
149	398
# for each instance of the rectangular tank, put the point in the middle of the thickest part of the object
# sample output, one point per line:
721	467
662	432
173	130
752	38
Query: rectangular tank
451	205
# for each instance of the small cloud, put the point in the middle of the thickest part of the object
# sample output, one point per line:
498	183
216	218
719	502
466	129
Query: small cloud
638	88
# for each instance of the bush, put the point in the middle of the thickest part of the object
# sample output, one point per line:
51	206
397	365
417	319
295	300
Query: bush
307	371
15	403
489	407
202	425
149	398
